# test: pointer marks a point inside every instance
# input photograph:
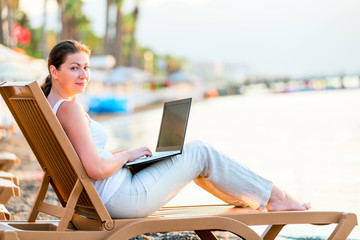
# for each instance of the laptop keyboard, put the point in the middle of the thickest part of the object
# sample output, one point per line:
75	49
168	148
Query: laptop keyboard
155	155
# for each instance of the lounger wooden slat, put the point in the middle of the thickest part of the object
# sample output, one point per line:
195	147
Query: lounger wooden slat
82	215
8	161
4	213
9	176
8	190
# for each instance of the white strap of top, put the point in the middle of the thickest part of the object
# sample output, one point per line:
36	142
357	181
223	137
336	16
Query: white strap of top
57	105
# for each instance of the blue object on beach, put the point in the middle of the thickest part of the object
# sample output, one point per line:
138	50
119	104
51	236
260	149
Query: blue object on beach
109	104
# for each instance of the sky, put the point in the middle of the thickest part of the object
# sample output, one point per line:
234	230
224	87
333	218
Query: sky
274	37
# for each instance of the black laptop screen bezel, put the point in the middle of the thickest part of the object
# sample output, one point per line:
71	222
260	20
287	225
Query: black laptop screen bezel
166	104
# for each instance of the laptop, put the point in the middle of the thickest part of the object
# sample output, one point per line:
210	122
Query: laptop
171	135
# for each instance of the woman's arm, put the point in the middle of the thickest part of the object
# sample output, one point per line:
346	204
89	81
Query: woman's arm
76	125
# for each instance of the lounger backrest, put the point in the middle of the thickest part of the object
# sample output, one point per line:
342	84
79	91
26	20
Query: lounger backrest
50	144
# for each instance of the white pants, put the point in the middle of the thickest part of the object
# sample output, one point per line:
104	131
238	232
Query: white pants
145	192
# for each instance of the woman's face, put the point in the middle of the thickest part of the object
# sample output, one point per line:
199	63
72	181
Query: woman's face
73	75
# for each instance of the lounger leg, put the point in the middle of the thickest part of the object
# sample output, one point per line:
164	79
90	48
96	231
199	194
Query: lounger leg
70	206
40	197
344	227
271	232
6	194
206	235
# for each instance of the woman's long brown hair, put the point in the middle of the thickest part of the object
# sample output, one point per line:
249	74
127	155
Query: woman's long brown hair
57	57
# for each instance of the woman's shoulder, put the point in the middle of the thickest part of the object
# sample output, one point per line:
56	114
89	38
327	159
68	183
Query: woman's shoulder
71	106
71	109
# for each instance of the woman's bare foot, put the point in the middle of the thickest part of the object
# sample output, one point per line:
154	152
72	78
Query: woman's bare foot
282	201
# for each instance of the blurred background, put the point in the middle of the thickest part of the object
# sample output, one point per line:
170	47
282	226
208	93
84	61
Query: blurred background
148	51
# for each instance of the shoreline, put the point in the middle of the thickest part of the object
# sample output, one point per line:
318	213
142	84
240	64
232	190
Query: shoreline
105	116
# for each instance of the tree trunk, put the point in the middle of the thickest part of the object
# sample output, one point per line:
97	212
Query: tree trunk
1	24
69	28
61	5
44	44
118	36
10	41
132	57
106	37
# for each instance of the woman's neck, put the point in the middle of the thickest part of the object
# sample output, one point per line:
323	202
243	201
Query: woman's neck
55	96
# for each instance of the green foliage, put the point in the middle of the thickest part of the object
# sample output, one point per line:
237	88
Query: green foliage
118	2
33	48
173	64
161	64
21	18
89	38
73	9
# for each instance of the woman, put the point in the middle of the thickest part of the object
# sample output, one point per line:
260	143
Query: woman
126	195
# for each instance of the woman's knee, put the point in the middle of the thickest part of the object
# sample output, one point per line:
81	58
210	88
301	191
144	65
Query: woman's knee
197	150
195	145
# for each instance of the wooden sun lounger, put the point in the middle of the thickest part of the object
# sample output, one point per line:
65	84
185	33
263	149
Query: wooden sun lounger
82	214
4	213
8	189
8	161
9	184
9	176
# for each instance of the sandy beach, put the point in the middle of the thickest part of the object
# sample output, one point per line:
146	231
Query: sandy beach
307	142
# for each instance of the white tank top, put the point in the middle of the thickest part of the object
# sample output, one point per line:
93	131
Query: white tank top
106	187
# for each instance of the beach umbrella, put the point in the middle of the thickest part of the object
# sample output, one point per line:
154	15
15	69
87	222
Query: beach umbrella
98	75
7	54
16	66
181	76
127	75
18	71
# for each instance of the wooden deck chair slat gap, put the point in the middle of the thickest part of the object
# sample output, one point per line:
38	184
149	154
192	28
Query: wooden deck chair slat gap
59	152
50	153
84	201
35	133
24	107
56	152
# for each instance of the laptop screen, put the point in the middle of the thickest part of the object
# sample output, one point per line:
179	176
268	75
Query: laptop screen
173	125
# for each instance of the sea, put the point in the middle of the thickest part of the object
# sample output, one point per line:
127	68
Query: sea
307	142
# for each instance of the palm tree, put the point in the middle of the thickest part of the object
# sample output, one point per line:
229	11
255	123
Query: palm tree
118	35
61	4
132	55
44	40
72	18
1	24
10	5
106	37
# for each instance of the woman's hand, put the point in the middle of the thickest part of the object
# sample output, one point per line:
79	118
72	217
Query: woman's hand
138	153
